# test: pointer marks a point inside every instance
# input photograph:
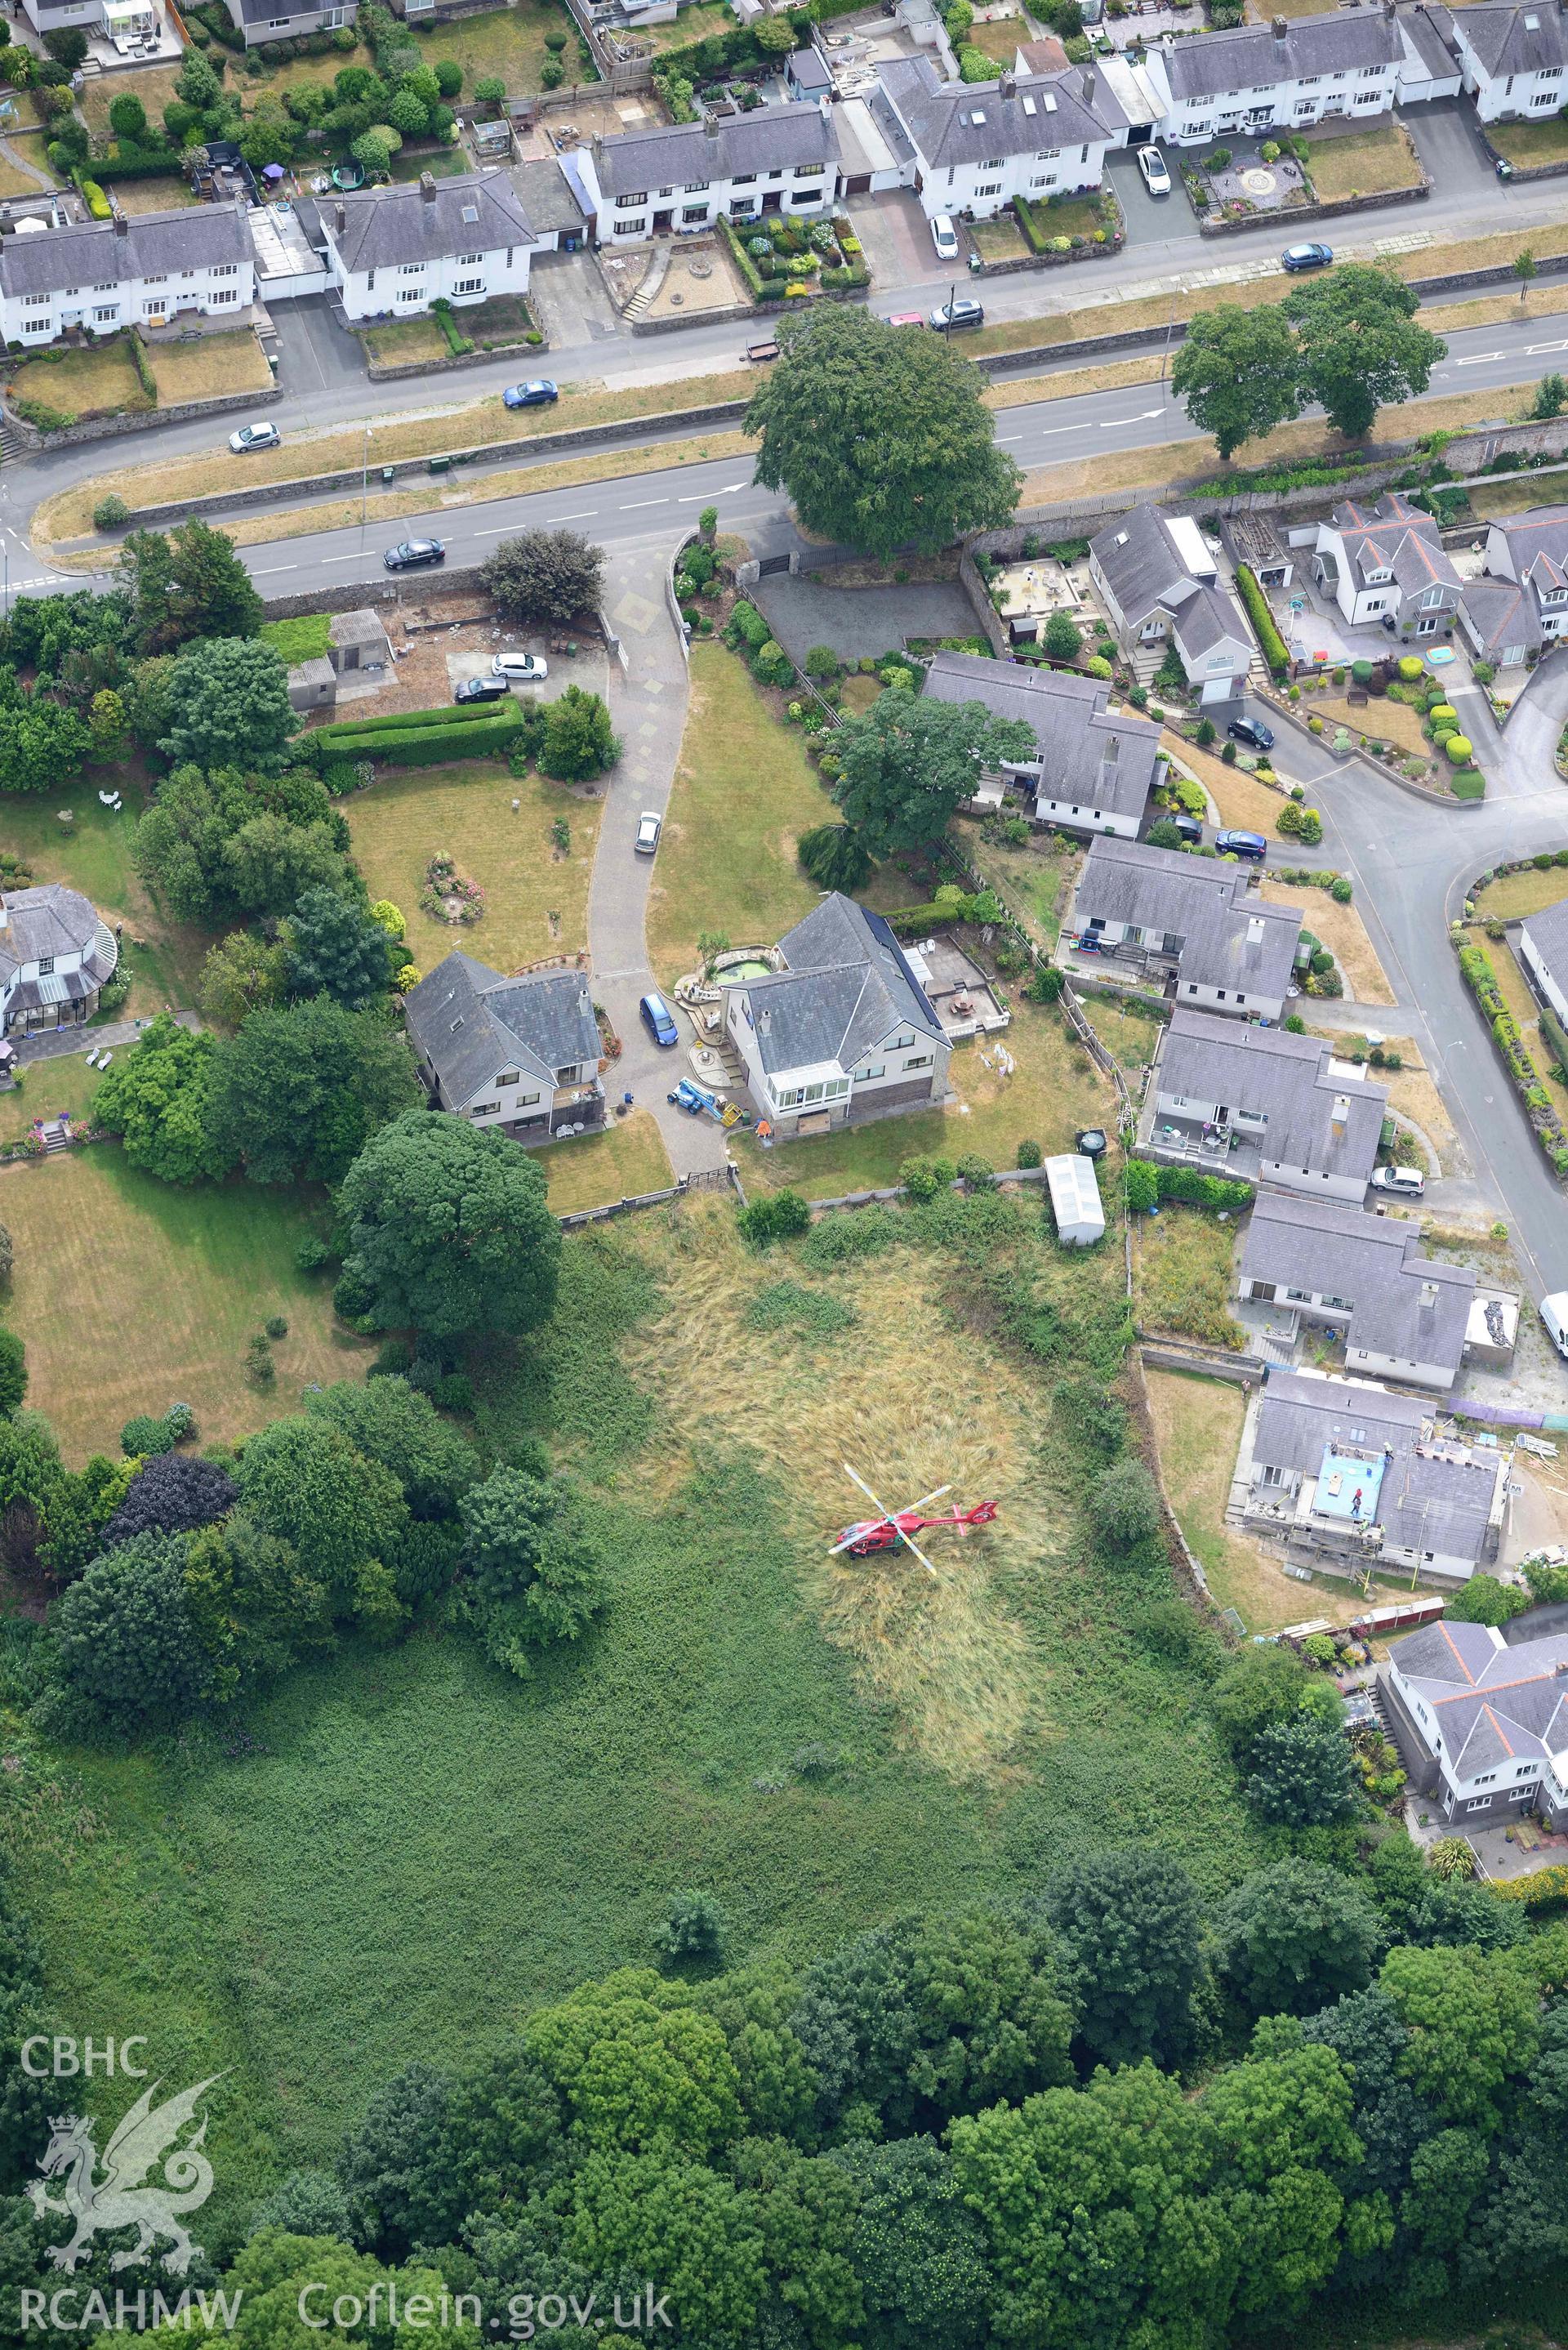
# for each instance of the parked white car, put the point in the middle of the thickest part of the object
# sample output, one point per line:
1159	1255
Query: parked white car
649	825
1156	177
1409	1181
254	436
944	236
523	669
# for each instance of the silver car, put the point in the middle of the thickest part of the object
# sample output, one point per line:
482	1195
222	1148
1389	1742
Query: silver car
649	825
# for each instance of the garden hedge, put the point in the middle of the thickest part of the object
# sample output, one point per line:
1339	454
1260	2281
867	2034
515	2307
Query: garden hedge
429	746
1263	619
398	721
125	162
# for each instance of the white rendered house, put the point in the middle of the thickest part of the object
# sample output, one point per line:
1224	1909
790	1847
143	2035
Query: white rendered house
1285	76
1384	563
144	271
1513	59
393	251
54	956
977	145
681	177
1543	951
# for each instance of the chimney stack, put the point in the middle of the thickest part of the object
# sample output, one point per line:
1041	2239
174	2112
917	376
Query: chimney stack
122	225
1088	86
1281	30
342	212
428	187
1004	85
712	127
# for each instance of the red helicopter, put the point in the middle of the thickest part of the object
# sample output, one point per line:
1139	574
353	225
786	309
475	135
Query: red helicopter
896	1529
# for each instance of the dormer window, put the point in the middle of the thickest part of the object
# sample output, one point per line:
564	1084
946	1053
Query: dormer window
46	966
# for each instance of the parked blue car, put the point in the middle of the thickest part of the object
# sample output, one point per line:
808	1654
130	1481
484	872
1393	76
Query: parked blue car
1241	844
659	1020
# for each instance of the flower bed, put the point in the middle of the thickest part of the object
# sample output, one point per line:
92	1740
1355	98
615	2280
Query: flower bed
1479	976
447	896
783	260
1070	227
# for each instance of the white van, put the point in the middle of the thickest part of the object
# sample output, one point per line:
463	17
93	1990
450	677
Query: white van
1554	1314
524	669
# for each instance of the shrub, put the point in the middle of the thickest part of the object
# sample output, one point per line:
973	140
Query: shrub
1141	1184
1028	1154
111	512
1339	889
312	1253
276	1326
776	1215
692	1927
977	1172
1459	750
144	1435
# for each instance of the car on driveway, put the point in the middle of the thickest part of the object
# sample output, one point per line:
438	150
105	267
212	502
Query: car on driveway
1241	844
659	1020
409	553
523	669
1156	177
649	825
483	688
1306	257
1188	826
1409	1181
944	236
964	313
537	394
254	436
1253	732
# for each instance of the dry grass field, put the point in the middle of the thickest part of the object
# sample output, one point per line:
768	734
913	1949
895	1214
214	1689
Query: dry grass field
130	1295
537	896
1198	1426
1343	933
1513	895
898	1387
208	367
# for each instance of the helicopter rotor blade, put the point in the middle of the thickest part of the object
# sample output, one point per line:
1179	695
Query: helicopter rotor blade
856	1533
934	1496
856	1479
909	1543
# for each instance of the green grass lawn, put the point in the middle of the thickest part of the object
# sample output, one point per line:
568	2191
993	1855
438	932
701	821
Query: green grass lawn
400	1852
441	162
1367	163
130	1295
48	1088
97	382
591	1170
1530	142
509	42
93	855
536	898
694	24
745	792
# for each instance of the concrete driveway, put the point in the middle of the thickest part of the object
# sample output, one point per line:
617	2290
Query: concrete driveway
1449	142
897	236
315	354
590	669
571	300
1150	219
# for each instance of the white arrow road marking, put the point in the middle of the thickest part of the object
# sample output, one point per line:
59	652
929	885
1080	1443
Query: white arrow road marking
725	489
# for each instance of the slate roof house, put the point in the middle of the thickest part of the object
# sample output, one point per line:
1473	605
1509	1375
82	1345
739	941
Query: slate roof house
521	1055
976	145
1511	58
1386	562
682	176
100	275
844	1030
54	956
1345	1470
1403	1316
1520	601
1161	583
1543	951
391	251
1282	76
1191	925
1479	1723
1260	1103
285	20
1097	761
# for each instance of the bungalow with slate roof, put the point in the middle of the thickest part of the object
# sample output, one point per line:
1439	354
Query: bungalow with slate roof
1281	76
1161	584
1403	1316
683	176
1520	601
1342	1469
1386	562
1479	1723
1193	927
1511	59
1543	951
843	1030
286	20
1099	761
1261	1104
54	956
978	144
393	250
519	1054
100	275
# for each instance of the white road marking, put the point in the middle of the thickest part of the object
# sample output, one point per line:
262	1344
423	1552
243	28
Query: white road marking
1002	438
496	532
725	490
584	514
331	558
1478	358
638	504
275	570
1532	349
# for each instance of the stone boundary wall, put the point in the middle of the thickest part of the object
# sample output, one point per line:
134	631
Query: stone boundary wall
394	370
108	427
1330	210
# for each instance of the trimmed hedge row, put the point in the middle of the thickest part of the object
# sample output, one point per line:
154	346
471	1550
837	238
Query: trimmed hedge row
1148	1183
136	163
1263	619
428	746
1543	1888
1477	970
398	721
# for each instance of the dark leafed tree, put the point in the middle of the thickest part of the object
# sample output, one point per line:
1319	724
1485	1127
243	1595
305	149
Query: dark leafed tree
336	948
879	436
545	575
907	763
228	706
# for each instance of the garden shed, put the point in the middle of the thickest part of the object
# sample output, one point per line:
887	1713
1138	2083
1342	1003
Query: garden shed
1075	1198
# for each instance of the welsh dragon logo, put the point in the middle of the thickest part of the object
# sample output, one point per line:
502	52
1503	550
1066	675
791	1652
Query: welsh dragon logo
121	2198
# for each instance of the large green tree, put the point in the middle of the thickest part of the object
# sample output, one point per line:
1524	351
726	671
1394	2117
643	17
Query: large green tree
919	2251
155	1095
879	436
450	1230
908	762
302	1481
125	1646
1238	372
220	843
1474	2019
1301	1773
242	973
300	1088
534	1571
188	585
228	706
254	1609
1294	1936
1357	344
1130	1927
545	575
42	745
639	2069
336	948
391	1422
